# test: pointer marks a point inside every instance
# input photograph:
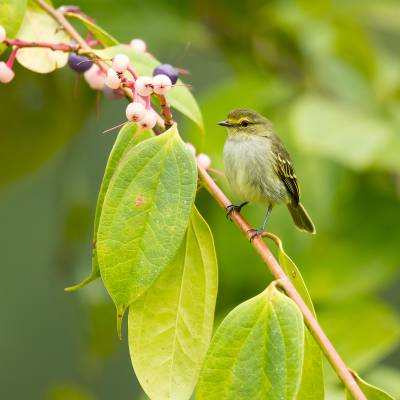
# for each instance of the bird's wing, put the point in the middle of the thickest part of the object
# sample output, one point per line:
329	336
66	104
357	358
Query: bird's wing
284	169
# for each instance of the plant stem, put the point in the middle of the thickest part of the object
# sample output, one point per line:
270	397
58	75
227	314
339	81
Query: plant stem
166	111
53	46
59	17
277	271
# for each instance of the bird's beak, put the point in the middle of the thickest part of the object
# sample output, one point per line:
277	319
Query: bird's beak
224	123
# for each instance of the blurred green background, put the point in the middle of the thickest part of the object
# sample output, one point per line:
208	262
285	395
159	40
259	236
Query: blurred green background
327	73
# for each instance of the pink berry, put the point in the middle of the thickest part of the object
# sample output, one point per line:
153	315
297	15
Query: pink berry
191	148
94	77
6	73
112	79
144	86
3	34
138	45
204	160
149	121
120	63
135	111
161	84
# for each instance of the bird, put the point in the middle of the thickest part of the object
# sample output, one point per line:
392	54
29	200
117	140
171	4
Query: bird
259	169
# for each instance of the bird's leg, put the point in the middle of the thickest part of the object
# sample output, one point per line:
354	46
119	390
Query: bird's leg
260	231
231	208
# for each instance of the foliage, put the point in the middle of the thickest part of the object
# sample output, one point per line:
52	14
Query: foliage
37	27
257	352
170	326
145	215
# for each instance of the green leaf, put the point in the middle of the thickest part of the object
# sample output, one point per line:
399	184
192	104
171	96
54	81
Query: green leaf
387	377
257	351
40	27
100	34
145	214
371	392
338	131
170	326
126	139
179	96
11	16
312	380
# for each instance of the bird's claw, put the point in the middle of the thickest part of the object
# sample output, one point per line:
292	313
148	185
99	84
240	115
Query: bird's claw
255	233
231	208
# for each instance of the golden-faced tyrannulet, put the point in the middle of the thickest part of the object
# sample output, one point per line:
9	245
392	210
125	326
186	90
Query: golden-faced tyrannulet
259	169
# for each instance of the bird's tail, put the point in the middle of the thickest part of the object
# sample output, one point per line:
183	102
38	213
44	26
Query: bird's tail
301	218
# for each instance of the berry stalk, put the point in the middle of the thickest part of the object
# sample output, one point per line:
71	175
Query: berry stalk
52	46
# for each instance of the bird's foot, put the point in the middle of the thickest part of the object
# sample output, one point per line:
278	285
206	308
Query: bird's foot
255	233
232	207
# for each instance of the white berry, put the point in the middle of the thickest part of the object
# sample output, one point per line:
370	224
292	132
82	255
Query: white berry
161	84
139	45
135	111
6	73
144	85
204	160
3	34
191	148
149	121
94	77
112	79
120	63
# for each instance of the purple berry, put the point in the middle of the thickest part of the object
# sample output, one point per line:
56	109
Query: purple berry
113	94
79	63
167	69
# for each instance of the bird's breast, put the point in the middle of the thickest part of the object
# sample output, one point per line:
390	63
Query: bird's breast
249	168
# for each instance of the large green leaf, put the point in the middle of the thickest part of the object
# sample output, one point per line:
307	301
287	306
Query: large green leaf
312	380
179	96
371	392
100	34
338	131
257	352
170	326
145	214
126	139
41	27
11	16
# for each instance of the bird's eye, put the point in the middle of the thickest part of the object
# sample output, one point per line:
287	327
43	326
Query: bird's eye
244	123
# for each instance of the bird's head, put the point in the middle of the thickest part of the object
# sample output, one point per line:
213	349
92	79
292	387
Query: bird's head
243	121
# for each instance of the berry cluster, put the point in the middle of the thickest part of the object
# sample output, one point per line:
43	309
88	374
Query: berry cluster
113	80
139	110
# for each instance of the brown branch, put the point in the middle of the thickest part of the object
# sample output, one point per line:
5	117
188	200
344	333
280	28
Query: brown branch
277	271
166	111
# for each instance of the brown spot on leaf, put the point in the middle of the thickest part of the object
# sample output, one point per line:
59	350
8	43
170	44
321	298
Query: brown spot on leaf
139	201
